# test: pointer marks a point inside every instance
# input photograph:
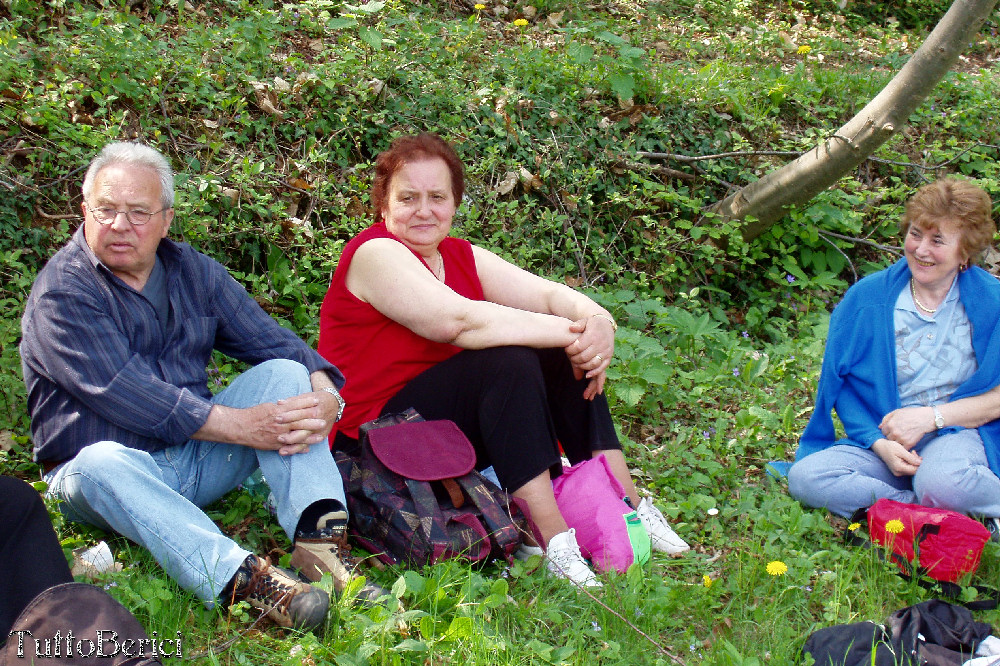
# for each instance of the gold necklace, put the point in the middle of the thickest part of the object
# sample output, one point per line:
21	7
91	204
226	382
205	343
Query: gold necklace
439	271
913	292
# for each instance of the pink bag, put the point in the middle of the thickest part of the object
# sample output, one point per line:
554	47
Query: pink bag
608	530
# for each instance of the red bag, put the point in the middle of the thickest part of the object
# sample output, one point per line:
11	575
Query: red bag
946	544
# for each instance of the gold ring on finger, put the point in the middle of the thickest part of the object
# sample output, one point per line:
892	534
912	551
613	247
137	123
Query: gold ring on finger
599	357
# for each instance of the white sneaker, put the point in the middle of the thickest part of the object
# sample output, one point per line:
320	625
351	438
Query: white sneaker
993	525
525	551
661	536
563	559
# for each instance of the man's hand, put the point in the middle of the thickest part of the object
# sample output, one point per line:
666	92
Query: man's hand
908	425
288	426
900	460
309	417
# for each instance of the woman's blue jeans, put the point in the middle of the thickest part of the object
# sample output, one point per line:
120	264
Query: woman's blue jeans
953	475
154	498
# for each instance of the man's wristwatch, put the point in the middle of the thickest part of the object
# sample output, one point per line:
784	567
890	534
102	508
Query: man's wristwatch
938	418
332	390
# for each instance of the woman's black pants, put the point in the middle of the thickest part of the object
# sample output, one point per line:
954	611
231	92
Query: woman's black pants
516	405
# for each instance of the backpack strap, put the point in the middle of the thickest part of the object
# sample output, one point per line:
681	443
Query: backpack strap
503	517
454	492
438	527
851	537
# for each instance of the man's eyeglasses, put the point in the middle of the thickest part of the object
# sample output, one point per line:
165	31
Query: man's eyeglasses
138	217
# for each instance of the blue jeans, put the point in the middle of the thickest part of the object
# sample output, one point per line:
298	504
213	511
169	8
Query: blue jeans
154	498
953	475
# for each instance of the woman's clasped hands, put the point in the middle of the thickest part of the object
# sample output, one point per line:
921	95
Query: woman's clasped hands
903	429
591	353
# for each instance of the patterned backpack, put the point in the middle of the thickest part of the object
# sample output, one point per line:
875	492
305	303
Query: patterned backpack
414	497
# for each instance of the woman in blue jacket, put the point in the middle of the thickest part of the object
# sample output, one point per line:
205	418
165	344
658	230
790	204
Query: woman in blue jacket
911	363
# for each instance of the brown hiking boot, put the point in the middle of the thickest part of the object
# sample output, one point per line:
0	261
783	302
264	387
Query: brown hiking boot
326	551
287	600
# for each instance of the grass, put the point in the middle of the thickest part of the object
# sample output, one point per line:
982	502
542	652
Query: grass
272	115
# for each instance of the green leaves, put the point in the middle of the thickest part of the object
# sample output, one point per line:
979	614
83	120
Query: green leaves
580	53
622	85
371	37
367	8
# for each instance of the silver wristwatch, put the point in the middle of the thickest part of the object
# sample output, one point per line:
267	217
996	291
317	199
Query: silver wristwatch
938	418
332	390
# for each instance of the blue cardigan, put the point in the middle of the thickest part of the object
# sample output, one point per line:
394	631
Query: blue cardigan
858	378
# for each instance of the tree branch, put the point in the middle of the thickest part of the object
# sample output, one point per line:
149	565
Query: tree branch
768	199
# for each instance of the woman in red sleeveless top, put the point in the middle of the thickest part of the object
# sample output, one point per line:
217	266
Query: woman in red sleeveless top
416	318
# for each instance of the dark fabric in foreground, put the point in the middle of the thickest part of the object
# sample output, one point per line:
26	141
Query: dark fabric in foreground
931	633
31	558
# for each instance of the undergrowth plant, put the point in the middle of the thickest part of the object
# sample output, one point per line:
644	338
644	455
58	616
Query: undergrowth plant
595	138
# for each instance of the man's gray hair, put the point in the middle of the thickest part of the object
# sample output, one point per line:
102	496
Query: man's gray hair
136	155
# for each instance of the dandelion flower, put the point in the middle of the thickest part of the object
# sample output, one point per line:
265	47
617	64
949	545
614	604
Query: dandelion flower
707	580
804	49
777	568
894	526
520	22
854	527
480	6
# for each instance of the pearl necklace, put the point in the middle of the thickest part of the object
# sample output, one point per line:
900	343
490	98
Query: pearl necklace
913	292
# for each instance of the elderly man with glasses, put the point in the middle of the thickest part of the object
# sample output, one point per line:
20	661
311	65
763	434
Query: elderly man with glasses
118	331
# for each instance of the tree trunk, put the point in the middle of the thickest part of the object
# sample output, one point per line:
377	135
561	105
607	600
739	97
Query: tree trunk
768	199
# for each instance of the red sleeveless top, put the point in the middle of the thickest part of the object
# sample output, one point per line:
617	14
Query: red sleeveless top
378	356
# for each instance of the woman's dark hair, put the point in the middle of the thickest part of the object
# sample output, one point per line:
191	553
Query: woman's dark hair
413	148
958	201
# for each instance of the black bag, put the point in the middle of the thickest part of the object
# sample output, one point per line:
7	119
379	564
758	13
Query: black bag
931	633
77	623
401	519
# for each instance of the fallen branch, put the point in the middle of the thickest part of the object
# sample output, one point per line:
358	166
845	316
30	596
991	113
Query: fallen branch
66	216
861	241
791	153
718	156
670	173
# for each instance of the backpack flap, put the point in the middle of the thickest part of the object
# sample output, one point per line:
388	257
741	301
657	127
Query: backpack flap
424	450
